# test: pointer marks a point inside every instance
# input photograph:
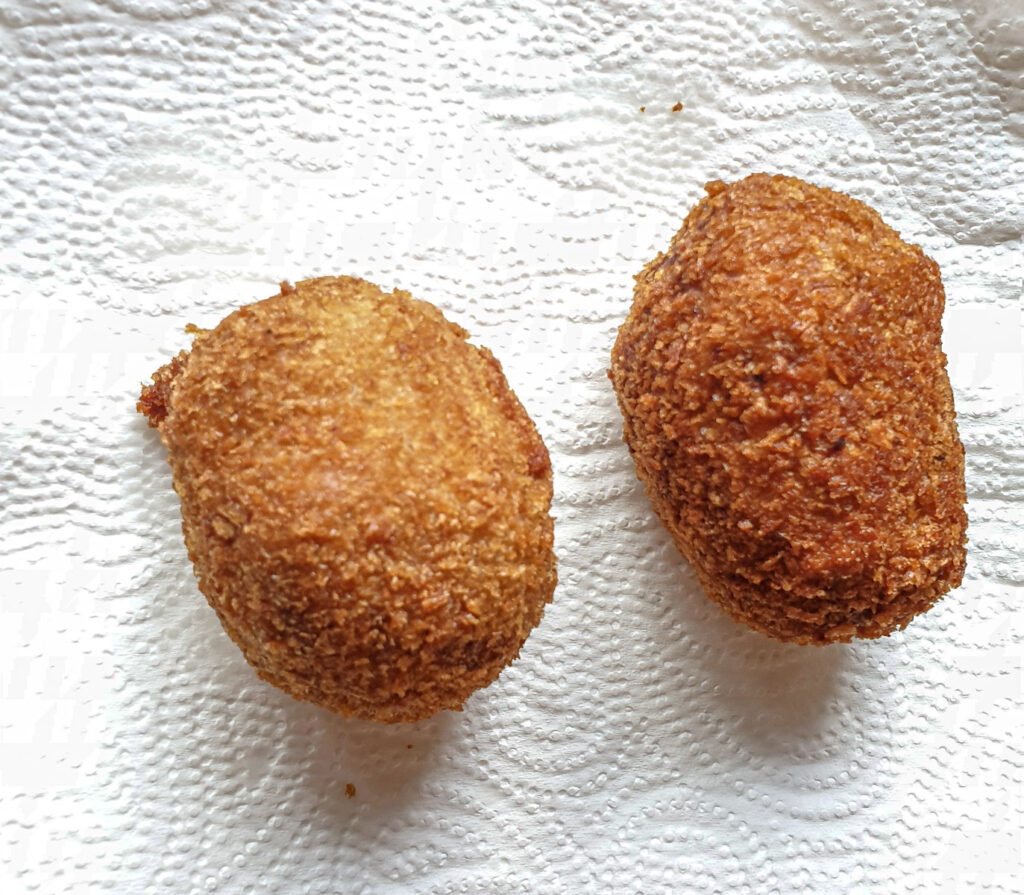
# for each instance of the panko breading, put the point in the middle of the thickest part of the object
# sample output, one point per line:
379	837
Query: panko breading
786	403
364	499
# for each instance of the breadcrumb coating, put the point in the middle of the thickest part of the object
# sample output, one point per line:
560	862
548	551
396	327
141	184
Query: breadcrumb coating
787	406
364	499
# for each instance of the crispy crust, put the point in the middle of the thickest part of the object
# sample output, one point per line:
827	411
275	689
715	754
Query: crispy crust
787	406
364	499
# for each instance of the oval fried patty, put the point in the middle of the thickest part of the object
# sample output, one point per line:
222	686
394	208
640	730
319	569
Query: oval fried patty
786	403
364	499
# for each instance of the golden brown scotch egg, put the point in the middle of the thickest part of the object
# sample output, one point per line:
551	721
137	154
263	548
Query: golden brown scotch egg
364	499
787	406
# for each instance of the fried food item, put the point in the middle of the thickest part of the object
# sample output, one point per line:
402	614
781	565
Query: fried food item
365	500
787	407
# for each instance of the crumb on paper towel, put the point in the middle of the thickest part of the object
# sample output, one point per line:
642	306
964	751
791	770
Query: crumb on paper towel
643	108
678	107
350	790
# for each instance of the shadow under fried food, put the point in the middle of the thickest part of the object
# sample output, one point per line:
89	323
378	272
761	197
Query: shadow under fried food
780	699
774	698
346	767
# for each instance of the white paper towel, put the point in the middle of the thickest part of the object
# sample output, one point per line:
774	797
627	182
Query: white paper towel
166	160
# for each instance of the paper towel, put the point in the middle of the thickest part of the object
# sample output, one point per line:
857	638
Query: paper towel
516	164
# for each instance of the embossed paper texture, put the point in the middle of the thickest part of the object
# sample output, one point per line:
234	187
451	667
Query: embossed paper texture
514	163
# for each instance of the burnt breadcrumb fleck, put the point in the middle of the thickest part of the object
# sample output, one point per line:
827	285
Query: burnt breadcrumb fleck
364	499
787	406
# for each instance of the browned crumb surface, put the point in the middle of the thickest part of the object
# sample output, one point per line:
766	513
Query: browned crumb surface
155	398
350	790
678	107
364	499
787	405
